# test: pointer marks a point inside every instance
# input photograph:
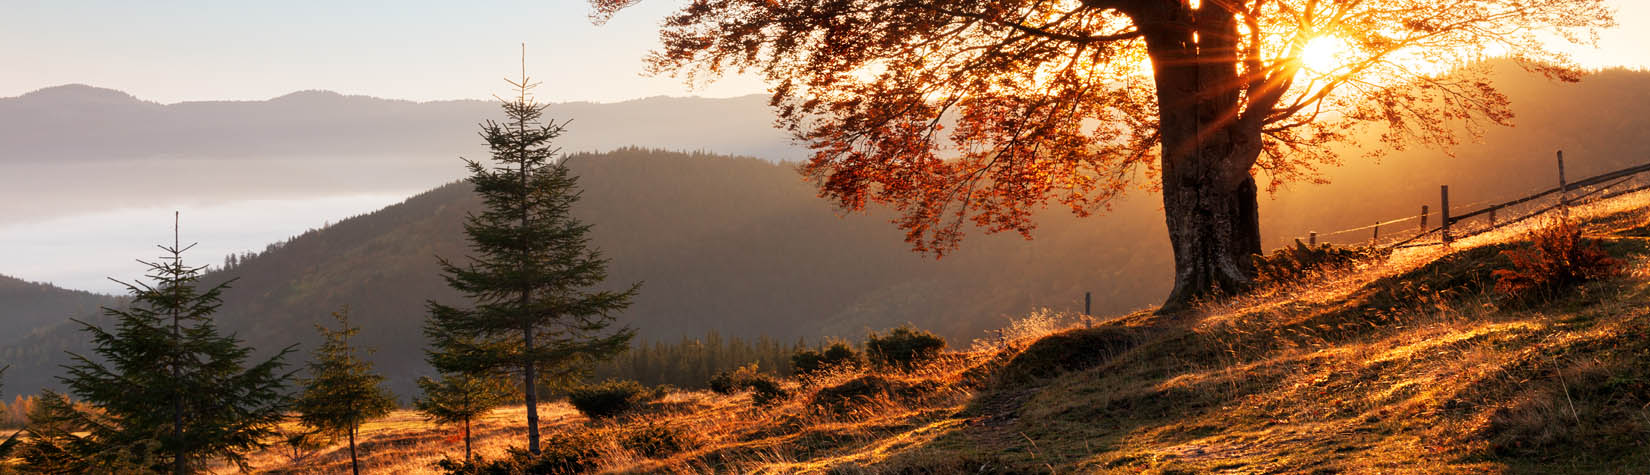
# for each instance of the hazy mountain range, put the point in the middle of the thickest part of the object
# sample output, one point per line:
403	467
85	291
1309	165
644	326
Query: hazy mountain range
87	147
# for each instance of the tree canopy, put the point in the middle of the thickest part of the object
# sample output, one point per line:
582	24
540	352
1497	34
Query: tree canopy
984	110
342	391
166	391
531	272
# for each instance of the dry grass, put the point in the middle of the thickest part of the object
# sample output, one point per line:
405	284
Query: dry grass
1408	365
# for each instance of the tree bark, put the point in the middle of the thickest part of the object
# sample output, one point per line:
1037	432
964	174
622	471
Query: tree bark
467	453
1209	196
354	464
531	393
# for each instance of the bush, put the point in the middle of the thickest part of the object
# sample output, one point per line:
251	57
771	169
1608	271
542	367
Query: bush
1292	263
764	388
559	454
766	391
867	388
610	398
656	440
903	347
809	362
1556	260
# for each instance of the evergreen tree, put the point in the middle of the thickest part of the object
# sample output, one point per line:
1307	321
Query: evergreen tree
167	393
530	271
459	399
342	392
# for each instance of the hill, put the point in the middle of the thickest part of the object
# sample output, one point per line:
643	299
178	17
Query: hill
740	245
1409	364
33	307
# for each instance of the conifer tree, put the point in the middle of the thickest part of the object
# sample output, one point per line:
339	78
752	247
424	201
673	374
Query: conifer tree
342	391
459	399
531	268
167	392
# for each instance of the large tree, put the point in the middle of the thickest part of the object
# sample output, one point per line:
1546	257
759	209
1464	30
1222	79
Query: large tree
165	392
985	110
530	278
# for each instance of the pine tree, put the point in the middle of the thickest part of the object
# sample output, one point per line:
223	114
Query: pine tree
342	391
459	399
530	271
167	393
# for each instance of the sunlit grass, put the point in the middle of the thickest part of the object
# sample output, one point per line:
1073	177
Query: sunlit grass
1407	365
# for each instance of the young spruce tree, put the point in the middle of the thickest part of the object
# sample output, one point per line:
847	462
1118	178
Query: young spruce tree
342	391
459	399
167	391
532	311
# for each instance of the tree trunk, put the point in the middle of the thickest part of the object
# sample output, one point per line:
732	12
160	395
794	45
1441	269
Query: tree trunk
531	393
1208	149
467	453
1214	230
354	464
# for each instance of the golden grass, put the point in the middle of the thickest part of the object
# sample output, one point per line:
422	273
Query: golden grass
1409	365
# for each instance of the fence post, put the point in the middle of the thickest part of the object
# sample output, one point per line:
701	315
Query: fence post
1312	238
1492	216
1563	187
1443	212
1377	237
1423	218
1088	299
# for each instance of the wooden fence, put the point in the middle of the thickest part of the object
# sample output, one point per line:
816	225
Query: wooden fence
1450	226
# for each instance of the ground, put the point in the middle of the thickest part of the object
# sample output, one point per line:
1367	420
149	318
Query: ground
1410	364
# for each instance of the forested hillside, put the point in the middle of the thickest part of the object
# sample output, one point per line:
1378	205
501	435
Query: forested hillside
31	306
736	244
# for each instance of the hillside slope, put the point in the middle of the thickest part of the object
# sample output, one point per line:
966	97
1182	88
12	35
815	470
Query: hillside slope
1412	364
739	245
33	306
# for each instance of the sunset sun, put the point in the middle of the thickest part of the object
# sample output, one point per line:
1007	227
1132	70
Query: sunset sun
1324	54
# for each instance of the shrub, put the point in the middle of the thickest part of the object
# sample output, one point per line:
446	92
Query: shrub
610	398
559	454
903	347
656	440
1557	259
1292	263
729	382
810	362
867	388
764	389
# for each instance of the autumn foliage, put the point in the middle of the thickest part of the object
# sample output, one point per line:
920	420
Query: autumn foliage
1558	258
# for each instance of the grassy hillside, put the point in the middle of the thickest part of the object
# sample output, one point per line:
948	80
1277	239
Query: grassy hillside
1412	364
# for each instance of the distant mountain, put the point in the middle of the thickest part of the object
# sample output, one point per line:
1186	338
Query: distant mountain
32	308
735	244
73	149
80	122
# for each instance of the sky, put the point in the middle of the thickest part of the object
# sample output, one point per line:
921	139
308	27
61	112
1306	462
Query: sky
170	51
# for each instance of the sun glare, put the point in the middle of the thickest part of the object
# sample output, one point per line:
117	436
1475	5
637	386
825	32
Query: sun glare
1324	54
